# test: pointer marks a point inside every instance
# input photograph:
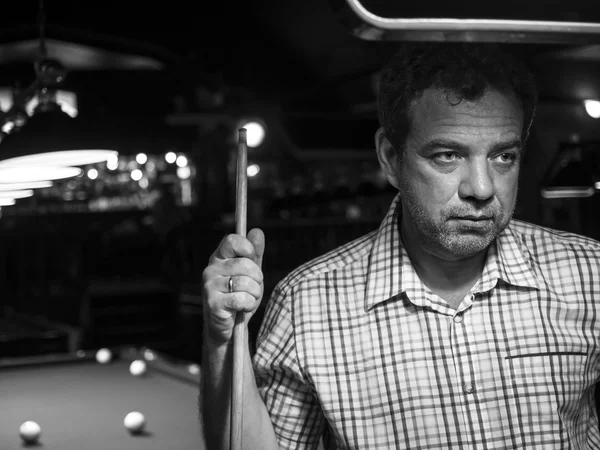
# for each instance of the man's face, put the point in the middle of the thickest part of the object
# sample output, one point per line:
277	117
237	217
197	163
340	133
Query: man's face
460	163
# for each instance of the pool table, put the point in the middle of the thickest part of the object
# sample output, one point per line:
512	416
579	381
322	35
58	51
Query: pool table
81	404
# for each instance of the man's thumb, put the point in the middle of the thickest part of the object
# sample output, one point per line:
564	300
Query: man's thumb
257	238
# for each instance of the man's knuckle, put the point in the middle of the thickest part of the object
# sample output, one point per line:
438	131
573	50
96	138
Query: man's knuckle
234	301
211	303
230	240
207	274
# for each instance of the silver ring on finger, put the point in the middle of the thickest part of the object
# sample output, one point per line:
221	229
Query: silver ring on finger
230	285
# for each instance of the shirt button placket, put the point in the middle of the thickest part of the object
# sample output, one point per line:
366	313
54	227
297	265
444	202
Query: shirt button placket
468	388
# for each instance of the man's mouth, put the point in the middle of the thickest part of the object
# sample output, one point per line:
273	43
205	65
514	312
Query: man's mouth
471	217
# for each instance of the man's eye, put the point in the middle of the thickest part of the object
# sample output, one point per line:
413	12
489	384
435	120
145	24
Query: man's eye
508	157
445	156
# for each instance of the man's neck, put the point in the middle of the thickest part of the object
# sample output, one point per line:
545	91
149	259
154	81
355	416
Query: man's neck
442	275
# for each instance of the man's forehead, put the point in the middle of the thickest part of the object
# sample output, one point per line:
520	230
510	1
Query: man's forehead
434	101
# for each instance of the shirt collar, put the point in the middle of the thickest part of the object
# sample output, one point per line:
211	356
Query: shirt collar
391	273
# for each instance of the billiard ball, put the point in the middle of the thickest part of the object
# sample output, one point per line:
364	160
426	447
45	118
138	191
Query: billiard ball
30	432
135	422
137	368
103	356
194	369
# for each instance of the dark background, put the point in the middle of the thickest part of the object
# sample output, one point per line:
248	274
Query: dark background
162	76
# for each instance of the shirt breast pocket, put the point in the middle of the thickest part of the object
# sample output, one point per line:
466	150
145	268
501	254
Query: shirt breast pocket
545	384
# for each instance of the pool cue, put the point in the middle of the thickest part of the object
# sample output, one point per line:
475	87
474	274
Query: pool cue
239	329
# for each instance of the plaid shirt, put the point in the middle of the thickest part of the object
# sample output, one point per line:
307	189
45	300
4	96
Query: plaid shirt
354	348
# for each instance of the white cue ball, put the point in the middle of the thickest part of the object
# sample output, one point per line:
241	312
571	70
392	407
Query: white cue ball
194	369
103	356
30	432
137	368
135	422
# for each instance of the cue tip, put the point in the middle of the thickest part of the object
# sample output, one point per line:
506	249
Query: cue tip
242	135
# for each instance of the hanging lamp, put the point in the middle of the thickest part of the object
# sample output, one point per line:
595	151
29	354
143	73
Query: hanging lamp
50	137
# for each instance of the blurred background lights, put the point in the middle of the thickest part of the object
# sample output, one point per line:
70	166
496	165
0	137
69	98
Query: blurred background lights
593	108
92	174
181	161
136	175
184	172
7	127
253	170
112	163
141	158
170	157
255	133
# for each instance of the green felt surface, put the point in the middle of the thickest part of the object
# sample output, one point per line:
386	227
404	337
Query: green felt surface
82	405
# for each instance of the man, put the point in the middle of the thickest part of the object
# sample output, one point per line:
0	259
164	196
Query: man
452	325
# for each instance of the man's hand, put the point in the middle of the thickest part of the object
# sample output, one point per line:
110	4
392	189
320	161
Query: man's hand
237	259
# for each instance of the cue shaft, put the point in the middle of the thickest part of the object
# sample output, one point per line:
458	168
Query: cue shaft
239	329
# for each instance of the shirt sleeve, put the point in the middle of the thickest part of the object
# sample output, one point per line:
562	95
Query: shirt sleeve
294	410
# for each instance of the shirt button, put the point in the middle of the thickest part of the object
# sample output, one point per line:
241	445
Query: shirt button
458	318
468	388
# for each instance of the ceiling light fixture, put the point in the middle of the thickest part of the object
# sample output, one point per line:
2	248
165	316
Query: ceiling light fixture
26	185
60	158
28	174
16	194
50	136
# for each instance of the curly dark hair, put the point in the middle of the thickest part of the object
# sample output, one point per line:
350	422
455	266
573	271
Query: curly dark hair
464	71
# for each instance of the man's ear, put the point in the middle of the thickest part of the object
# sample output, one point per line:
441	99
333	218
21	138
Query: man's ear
387	156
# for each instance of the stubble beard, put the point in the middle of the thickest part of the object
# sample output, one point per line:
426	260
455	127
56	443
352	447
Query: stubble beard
448	237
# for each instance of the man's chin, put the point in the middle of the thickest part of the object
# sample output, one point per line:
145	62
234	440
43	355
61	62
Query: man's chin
469	245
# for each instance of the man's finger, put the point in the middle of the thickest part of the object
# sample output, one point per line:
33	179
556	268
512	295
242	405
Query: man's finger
234	246
257	238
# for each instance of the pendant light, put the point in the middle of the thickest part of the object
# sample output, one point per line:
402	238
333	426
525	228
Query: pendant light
50	137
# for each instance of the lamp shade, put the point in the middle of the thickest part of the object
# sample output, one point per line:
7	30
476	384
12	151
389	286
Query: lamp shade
14	175
7	201
16	194
24	185
53	138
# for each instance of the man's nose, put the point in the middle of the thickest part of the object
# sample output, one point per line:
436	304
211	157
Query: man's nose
477	181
